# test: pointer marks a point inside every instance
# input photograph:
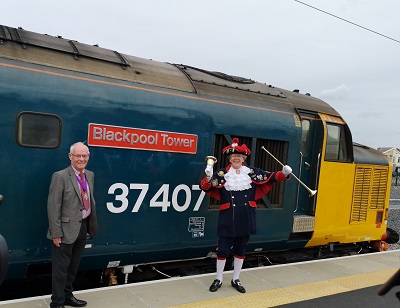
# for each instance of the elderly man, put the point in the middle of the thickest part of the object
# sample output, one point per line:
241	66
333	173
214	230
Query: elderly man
71	211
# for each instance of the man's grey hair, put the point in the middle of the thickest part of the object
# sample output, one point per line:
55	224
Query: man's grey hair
71	149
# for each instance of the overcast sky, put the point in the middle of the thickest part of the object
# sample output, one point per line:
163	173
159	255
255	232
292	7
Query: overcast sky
280	42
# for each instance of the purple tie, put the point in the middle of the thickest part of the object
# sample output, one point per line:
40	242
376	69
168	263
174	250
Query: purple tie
84	192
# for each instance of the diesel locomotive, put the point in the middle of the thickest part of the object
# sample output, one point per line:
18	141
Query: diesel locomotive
149	126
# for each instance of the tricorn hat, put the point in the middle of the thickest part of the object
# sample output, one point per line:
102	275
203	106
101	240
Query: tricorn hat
235	148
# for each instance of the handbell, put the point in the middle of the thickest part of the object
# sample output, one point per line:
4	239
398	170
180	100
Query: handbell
211	160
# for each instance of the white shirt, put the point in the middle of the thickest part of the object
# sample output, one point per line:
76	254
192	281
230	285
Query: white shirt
237	179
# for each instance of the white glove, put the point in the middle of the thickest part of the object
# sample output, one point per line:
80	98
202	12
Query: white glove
209	171
286	170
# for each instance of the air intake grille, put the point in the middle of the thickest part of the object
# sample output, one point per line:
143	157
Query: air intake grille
378	193
369	192
260	159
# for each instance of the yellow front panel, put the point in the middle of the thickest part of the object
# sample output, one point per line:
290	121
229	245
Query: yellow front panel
348	201
334	198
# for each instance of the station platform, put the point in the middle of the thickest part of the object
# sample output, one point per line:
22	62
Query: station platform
351	281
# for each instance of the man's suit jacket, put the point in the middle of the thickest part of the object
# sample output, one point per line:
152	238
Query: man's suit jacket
64	206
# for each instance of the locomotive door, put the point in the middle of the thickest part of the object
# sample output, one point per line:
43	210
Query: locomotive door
310	157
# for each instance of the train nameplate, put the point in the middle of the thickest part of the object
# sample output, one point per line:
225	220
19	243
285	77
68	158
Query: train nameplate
102	135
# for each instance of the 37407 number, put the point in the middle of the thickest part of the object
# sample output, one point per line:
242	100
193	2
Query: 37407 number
160	198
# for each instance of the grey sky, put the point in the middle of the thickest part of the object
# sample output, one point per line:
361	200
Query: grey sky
279	42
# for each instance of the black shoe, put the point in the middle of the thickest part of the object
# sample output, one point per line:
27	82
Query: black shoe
74	302
215	285
238	286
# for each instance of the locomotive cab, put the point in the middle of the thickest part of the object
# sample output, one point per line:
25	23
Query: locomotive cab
353	189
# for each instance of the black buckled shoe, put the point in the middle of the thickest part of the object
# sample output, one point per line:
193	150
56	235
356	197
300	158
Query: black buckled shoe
215	285
74	302
238	286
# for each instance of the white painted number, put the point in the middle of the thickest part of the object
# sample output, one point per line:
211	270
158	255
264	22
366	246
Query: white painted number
120	192
164	203
139	201
184	207
121	197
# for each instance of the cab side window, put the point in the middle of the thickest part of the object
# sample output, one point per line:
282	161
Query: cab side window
38	130
337	145
305	137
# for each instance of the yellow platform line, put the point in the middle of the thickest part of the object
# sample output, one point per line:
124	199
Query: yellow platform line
297	293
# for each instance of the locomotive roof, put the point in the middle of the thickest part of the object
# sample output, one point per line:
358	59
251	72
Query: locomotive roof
366	155
58	52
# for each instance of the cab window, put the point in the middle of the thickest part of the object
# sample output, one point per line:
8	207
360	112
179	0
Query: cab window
305	133
39	130
337	147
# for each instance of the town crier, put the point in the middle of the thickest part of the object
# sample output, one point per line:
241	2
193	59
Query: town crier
237	187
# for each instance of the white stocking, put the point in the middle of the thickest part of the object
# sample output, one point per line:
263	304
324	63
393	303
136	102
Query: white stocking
220	269
237	266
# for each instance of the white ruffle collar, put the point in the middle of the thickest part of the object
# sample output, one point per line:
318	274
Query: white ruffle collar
237	181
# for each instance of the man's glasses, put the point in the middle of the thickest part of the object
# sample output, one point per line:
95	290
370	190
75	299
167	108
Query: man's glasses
80	156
